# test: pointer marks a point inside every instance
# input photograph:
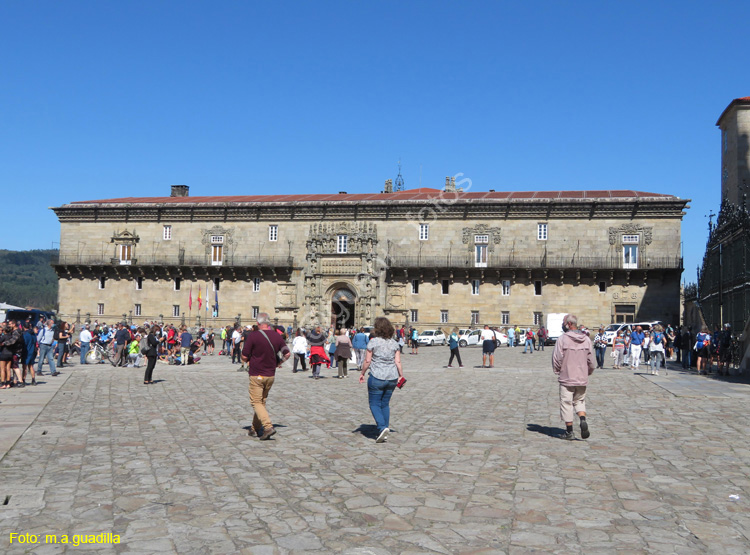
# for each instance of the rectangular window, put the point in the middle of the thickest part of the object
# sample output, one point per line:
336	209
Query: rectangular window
217	283
505	318
217	255
424	232
415	316
256	311
126	254
137	311
273	233
506	288
446	284
443	316
480	256
342	244
102	282
538	318
175	310
167	233
481	239
537	287
631	239
629	256
475	287
177	283
624	313
415	287
138	283
541	232
602	287
100	309
256	285
474	317
217	239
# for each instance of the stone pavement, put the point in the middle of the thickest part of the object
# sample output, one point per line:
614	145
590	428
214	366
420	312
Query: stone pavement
472	467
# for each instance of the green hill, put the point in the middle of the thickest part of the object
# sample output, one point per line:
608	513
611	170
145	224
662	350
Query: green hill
27	279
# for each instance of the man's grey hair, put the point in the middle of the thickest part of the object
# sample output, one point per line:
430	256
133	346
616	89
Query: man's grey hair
263	318
571	320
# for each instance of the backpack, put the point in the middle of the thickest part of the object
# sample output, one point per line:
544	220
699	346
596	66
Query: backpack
145	347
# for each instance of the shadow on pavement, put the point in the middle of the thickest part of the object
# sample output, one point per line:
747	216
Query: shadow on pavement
370	431
546	430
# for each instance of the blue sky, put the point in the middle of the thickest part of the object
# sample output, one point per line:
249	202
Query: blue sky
110	99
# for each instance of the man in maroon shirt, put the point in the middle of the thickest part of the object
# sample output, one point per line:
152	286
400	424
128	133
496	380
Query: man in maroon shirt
259	353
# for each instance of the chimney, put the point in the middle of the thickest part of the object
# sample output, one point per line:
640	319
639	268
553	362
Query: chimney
388	186
450	184
180	191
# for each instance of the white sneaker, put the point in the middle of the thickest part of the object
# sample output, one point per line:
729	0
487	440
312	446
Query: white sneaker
383	436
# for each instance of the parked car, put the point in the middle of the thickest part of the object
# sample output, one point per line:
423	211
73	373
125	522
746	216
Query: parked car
431	337
473	337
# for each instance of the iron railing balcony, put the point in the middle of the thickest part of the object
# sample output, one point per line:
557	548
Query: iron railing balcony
466	261
172	260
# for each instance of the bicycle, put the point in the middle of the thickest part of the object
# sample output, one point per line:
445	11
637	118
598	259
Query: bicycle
98	354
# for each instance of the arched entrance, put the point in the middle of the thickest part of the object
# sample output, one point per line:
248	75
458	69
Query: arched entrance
342	308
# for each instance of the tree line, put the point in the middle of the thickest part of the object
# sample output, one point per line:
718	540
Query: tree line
27	279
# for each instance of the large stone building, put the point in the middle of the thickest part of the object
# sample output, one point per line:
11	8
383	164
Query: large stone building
723	291
427	256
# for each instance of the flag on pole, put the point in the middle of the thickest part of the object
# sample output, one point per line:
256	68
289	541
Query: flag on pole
216	304
200	302
207	300
190	299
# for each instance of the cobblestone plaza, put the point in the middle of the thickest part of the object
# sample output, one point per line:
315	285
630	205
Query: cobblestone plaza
472	466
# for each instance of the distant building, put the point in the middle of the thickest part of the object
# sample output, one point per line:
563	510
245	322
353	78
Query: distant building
428	257
724	280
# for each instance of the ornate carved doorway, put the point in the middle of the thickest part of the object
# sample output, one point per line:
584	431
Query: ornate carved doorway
343	304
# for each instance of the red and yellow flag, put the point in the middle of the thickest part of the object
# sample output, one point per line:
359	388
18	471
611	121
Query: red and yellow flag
199	298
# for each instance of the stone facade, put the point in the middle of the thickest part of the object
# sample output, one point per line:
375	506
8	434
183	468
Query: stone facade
734	123
310	258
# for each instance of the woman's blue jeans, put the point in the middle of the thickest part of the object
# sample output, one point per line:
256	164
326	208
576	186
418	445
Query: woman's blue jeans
379	393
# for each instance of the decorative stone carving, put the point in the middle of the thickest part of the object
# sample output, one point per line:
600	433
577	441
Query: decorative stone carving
226	232
481	229
124	237
361	237
630	229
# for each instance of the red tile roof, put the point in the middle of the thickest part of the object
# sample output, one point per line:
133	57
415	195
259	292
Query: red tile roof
410	195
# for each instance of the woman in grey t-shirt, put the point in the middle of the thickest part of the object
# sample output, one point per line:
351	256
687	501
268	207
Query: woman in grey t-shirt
384	362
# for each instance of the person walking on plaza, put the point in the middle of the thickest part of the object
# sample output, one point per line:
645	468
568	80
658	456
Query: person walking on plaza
542	337
317	340
488	346
29	338
618	348
62	336
573	362
703	347
600	345
343	352
636	345
331	348
414	335
186	339
264	351
529	342
657	346
46	337
299	350
453	344
359	344
511	336
85	339
151	352
122	338
384	363
686	344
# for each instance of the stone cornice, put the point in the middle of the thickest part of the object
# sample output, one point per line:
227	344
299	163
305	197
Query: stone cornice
655	207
